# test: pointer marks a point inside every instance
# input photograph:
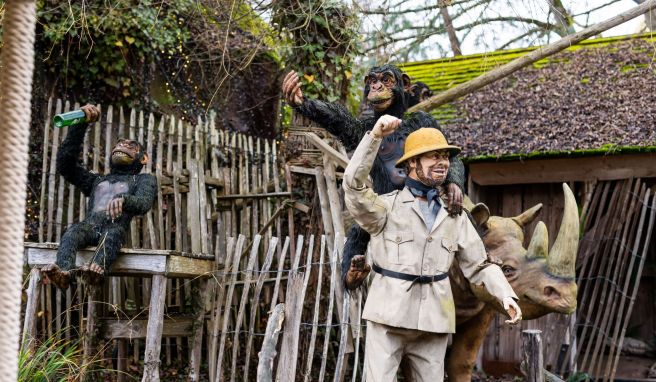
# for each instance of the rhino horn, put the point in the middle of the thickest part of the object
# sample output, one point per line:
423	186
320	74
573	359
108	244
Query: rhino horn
562	258
528	216
539	246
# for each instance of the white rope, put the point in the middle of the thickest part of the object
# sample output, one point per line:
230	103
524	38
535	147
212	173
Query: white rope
17	61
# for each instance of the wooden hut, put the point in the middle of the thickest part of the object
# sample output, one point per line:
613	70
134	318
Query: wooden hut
585	116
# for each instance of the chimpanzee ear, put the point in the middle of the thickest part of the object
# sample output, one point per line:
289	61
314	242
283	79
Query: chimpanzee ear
481	214
144	158
407	83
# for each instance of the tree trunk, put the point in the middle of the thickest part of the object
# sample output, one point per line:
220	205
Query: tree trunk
448	24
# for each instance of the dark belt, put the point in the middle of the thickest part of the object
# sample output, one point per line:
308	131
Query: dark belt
408	277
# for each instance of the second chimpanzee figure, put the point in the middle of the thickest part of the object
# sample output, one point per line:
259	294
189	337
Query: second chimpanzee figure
388	91
114	199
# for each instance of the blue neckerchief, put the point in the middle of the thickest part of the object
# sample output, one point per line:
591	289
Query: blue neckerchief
417	188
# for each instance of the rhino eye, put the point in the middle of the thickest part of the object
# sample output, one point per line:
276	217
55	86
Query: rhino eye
508	271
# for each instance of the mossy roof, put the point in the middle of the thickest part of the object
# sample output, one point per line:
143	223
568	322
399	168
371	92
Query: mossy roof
595	97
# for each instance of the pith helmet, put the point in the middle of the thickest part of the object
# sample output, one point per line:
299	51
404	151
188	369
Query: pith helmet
425	140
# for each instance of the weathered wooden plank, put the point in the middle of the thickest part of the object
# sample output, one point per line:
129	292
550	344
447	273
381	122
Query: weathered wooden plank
533	359
219	303
228	303
315	315
324	203
242	304
608	167
44	170
52	177
268	260
29	323
193	206
131	329
327	150
334	263
154	330
268	353
281	264
289	349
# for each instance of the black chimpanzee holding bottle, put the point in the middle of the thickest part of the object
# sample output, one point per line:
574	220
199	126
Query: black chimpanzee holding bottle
114	199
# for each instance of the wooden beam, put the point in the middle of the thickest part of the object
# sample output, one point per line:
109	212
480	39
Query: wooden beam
327	150
130	329
132	262
610	167
255	196
536	55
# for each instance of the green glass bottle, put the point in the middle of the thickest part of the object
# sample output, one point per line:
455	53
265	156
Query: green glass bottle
70	118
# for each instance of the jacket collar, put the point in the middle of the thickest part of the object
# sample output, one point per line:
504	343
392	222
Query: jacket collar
405	196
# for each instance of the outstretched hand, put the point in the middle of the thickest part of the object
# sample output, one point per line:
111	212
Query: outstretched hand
510	306
91	112
386	125
291	89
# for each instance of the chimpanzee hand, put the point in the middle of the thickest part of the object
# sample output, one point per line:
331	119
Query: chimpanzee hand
357	273
115	207
91	112
291	89
454	199
385	126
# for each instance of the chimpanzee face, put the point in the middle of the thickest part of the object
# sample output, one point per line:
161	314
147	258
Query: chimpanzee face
418	92
126	152
383	86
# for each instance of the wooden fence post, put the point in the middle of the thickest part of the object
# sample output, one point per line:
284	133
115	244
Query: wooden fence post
532	358
268	352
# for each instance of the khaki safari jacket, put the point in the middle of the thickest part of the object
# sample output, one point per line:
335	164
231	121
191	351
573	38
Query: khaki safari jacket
401	242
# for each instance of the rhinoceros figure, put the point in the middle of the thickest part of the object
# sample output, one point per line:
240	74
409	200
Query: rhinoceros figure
543	279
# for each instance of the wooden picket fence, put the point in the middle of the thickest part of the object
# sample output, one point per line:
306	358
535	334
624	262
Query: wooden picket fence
213	184
316	329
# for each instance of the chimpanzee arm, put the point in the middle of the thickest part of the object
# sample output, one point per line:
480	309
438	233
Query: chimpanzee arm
68	163
142	197
336	120
456	173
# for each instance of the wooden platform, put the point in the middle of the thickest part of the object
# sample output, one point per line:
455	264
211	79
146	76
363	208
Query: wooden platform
131	262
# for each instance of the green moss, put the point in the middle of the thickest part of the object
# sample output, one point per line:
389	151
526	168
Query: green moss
608	149
585	80
442	74
632	67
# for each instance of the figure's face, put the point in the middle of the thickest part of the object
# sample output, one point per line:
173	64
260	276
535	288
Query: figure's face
381	86
126	152
430	168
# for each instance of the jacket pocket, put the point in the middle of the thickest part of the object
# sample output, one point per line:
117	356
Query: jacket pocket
399	247
447	251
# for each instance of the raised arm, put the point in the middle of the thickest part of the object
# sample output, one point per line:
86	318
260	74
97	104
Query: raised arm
331	116
367	208
68	163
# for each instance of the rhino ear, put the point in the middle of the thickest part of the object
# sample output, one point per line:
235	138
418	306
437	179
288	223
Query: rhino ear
527	217
481	214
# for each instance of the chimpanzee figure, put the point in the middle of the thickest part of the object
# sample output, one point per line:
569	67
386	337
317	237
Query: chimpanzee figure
113	200
417	92
387	90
